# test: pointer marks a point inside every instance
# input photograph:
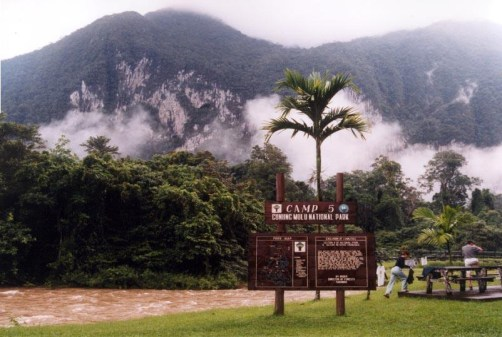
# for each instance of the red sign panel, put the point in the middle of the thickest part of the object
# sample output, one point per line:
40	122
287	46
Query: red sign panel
316	212
312	261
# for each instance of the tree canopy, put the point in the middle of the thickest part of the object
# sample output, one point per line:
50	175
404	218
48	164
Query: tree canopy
444	169
183	219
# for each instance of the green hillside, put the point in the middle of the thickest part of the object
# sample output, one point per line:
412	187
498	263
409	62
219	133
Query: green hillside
442	83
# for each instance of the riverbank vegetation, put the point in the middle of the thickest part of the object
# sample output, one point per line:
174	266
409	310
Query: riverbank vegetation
182	220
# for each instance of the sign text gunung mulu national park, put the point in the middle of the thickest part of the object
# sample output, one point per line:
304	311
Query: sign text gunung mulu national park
311	261
318	212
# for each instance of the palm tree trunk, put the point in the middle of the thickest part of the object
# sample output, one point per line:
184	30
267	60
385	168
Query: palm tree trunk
319	194
318	169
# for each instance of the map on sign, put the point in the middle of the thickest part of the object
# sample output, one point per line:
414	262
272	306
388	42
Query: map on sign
282	261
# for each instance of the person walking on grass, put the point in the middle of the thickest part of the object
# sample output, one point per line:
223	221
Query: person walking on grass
397	273
469	251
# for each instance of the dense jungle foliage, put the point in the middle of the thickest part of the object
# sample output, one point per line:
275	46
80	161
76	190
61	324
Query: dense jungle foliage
182	220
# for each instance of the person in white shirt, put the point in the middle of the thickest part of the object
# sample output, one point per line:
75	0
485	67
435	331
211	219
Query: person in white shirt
469	251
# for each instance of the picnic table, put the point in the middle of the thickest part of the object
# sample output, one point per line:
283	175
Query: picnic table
458	274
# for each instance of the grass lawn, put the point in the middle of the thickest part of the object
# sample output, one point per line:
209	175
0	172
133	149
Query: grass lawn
403	317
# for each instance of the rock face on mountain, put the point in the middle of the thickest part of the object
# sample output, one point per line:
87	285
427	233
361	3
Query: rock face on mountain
193	75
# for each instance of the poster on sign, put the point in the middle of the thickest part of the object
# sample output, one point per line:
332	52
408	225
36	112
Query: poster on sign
342	261
312	261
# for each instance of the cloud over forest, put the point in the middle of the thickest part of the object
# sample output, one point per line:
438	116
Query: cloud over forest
341	153
344	153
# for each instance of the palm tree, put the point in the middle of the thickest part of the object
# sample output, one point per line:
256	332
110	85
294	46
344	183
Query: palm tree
313	95
443	227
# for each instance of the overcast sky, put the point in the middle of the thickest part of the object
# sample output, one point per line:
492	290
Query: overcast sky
27	25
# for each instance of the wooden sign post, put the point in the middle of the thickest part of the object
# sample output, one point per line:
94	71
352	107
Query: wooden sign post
280	228
340	294
338	261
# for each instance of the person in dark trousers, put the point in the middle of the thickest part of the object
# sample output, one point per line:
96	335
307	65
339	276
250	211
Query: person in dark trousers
397	273
469	251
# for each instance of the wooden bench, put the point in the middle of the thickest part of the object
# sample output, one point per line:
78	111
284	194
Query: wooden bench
474	278
482	281
445	274
431	277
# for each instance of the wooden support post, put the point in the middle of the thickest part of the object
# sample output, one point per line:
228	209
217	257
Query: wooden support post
279	302
280	228
340	294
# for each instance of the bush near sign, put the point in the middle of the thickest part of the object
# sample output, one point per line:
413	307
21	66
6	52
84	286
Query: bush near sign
315	212
312	261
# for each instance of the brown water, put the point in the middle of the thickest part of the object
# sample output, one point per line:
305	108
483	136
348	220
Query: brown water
42	306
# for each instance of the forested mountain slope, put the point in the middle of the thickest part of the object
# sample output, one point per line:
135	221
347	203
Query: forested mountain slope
194	74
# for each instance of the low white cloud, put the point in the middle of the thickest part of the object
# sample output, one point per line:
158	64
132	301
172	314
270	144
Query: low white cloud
483	163
466	92
340	153
224	142
344	153
129	133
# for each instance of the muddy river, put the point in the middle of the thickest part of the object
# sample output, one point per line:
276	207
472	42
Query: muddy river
42	306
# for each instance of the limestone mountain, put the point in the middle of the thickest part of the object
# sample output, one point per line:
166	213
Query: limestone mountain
193	75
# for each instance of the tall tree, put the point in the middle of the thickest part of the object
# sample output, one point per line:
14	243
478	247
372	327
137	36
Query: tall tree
482	199
261	169
99	146
19	144
311	99
389	193
444	170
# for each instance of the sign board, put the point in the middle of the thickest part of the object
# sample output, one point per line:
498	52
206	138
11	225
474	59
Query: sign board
313	212
280	261
312	261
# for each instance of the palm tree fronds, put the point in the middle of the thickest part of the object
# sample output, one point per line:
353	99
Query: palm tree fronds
348	121
289	103
430	236
282	124
424	213
443	226
313	93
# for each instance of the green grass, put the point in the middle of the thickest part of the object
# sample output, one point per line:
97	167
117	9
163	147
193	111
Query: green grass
377	316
